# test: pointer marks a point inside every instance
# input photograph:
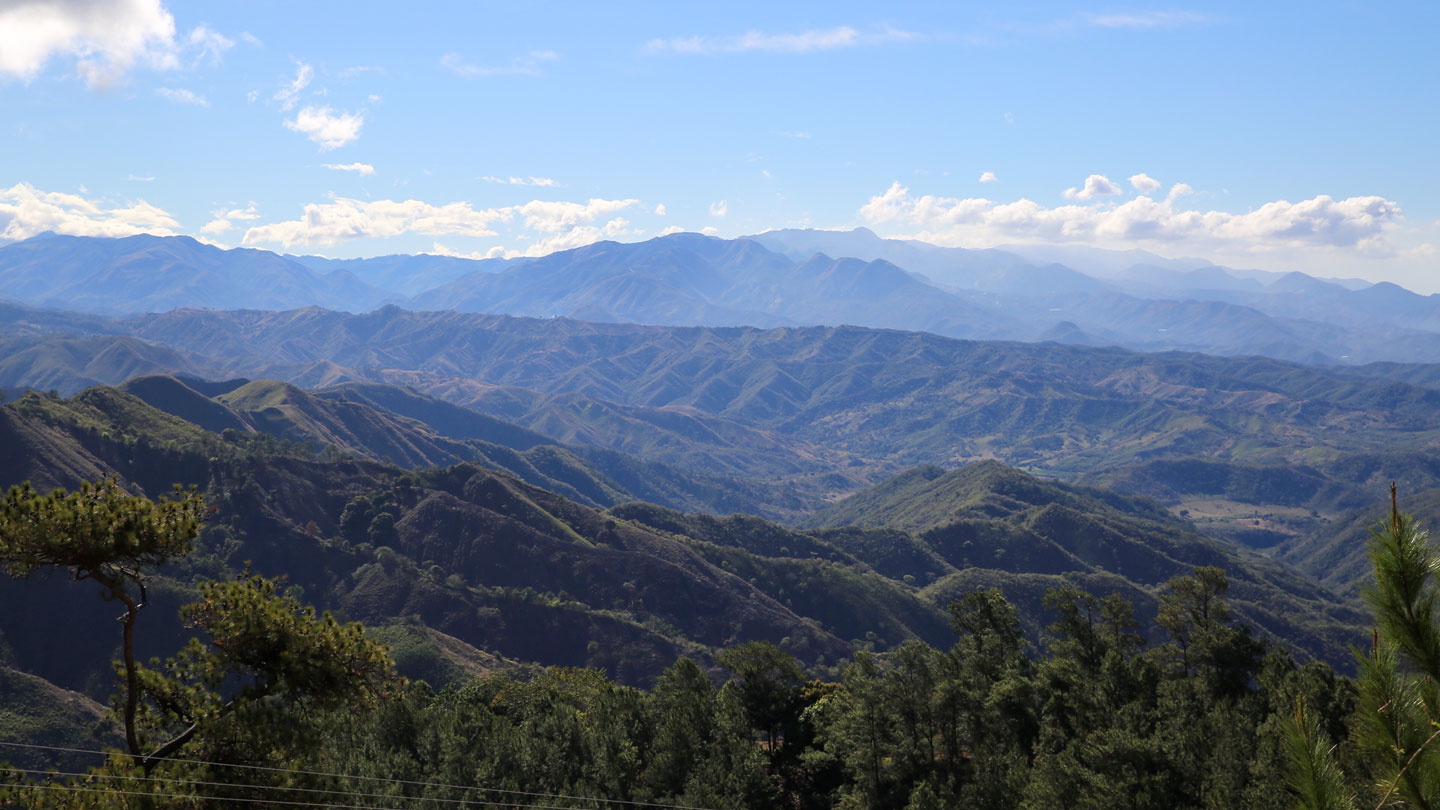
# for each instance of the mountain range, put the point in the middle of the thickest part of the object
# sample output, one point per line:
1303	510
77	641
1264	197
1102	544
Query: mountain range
1257	450
779	278
473	567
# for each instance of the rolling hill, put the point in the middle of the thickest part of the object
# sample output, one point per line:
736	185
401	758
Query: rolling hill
481	566
826	411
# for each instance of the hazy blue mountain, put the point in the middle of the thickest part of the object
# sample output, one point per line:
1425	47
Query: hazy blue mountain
780	278
1143	301
403	274
991	270
689	279
1100	262
154	274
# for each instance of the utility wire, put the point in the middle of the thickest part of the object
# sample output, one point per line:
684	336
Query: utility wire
192	796
383	779
253	786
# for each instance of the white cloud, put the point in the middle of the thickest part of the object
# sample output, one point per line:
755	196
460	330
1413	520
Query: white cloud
1144	183
222	219
719	209
327	127
210	45
362	169
988	177
289	95
527	65
552	217
1148	19
26	211
1096	185
438	249
343	219
251	40
1359	225
660	210
138	178
672	229
709	230
802	42
520	181
578	236
180	96
106	38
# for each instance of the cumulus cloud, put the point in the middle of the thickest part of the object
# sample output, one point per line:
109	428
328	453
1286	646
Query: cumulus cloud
1357	224
660	210
361	169
719	209
552	217
289	95
669	229
709	230
1144	183
520	181
528	65
343	219
987	177
330	128
106	39
26	211
180	96
438	249
578	236
222	219
1096	185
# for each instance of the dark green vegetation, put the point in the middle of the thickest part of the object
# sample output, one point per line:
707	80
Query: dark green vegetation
1258	450
449	544
1389	752
492	496
1094	719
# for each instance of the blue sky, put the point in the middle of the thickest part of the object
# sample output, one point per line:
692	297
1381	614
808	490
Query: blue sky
1271	135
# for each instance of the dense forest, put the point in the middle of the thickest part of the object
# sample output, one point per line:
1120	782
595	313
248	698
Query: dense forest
269	703
363	596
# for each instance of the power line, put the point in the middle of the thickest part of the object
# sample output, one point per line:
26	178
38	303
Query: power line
383	779
110	792
254	786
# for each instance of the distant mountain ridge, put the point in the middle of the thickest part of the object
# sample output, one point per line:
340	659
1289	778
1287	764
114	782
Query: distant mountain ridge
778	278
155	273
